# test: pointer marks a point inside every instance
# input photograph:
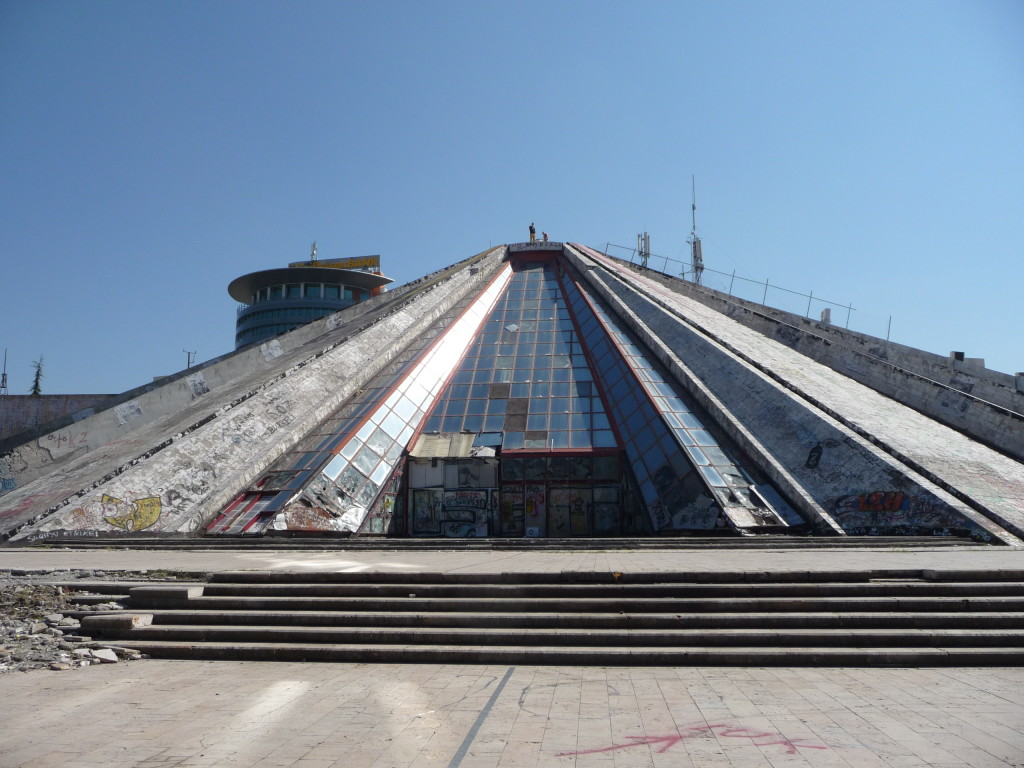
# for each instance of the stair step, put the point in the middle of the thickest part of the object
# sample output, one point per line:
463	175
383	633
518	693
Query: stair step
887	588
603	656
679	638
592	605
389	619
734	577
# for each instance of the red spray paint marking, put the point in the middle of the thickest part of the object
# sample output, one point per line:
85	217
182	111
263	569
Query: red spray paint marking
722	730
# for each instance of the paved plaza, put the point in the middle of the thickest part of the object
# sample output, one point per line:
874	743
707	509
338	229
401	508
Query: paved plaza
173	713
156	713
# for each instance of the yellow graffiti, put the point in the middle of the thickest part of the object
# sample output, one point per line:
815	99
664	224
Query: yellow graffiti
142	512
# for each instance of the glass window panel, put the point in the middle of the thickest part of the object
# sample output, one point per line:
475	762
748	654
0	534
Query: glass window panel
690	421
675	404
351	447
381	474
473	423
512	440
579	440
394	453
494	422
496	406
559	405
503	376
559	421
702	437
563	374
558	440
405	408
452	424
604	438
367	494
684	437
600	421
520	389
334	467
606	468
365	431
579	421
712	476
696	455
537	421
716	455
380	441
476	407
366	461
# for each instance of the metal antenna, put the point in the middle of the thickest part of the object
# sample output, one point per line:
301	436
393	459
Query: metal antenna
696	257
3	376
188	358
312	252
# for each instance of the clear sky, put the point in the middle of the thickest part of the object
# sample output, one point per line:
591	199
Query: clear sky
150	152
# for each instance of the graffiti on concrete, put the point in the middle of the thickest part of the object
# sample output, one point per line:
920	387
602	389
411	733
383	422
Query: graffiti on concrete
197	384
126	412
63	442
814	457
134	515
756	736
11	466
896	509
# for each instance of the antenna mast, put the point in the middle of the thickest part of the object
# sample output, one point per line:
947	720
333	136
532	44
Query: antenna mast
696	257
3	376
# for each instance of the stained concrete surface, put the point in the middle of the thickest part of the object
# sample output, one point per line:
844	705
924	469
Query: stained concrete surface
260	714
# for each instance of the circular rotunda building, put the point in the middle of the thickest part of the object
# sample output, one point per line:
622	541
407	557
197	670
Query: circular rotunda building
273	301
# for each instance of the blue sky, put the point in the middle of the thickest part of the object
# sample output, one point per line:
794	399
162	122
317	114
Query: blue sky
870	152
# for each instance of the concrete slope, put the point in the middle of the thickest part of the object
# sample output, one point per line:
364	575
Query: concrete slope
174	471
768	386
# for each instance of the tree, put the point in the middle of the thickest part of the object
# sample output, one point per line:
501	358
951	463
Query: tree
37	379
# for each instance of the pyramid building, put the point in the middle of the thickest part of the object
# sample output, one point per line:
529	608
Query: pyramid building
539	390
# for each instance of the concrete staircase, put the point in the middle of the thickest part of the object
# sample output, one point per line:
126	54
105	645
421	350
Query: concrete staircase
870	618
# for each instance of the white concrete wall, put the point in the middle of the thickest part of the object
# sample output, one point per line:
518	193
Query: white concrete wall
982	403
755	387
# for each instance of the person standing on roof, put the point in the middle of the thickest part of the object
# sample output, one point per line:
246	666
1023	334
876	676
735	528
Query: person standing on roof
533	233
544	235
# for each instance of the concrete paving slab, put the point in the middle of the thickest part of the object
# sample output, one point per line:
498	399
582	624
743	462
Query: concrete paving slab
172	713
942	559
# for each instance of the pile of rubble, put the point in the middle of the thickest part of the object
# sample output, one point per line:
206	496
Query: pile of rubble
37	632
